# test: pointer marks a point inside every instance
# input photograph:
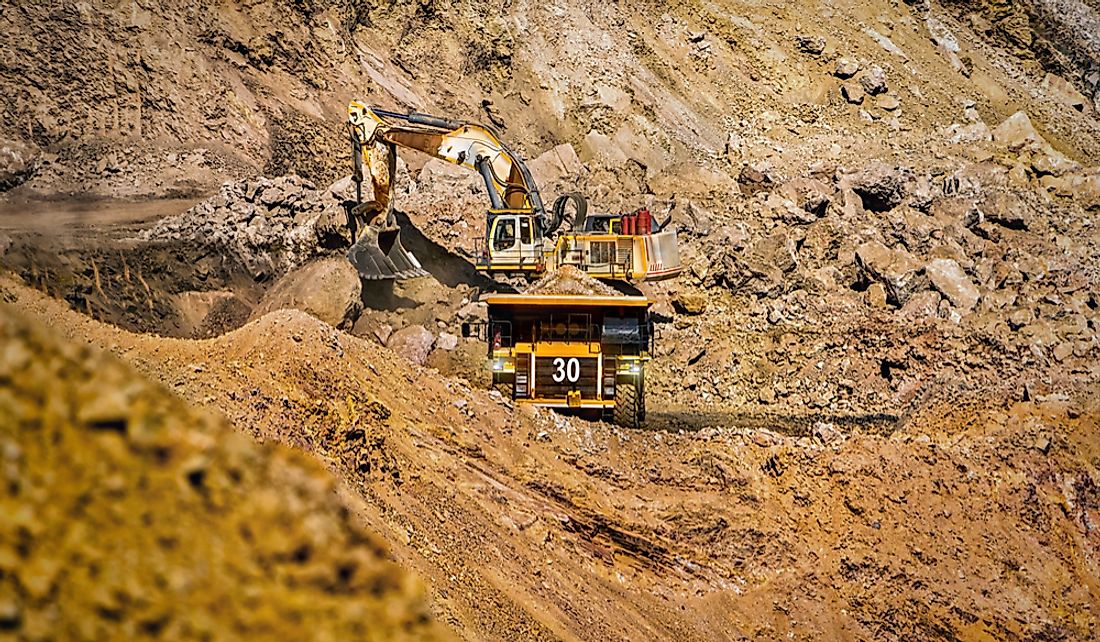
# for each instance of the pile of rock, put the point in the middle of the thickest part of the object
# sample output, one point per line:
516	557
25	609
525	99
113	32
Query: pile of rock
569	280
17	163
1034	158
270	225
982	265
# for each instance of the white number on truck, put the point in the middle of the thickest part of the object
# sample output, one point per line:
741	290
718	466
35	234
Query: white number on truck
566	369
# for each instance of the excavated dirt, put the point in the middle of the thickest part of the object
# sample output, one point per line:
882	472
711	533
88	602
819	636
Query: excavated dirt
977	524
127	514
571	281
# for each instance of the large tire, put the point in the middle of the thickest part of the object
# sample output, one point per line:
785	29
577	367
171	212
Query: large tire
629	405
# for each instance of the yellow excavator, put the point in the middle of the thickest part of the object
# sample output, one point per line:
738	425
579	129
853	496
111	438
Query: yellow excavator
521	236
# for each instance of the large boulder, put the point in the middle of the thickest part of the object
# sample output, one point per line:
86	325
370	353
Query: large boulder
414	343
808	194
873	81
1006	209
447	341
328	288
777	251
558	163
951	281
846	68
920	306
1017	131
879	186
1064	92
897	270
761	268
753	180
699	221
691	303
813	45
1050	162
852	92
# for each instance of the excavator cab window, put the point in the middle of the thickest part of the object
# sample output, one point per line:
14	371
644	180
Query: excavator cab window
505	237
525	231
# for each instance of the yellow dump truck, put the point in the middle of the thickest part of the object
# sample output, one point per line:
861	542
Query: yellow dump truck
584	352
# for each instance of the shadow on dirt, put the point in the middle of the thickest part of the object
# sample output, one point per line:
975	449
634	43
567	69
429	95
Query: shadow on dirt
794	425
448	268
380	295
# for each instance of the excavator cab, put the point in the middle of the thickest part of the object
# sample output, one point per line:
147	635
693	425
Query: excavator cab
513	242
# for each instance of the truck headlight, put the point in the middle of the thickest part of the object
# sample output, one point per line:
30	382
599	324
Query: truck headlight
502	364
630	367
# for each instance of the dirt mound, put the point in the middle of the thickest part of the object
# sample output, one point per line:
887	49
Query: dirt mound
746	526
327	288
570	280
129	515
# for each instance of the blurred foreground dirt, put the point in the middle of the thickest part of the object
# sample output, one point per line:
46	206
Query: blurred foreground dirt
125	514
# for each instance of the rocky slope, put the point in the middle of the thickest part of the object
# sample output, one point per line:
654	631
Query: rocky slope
156	99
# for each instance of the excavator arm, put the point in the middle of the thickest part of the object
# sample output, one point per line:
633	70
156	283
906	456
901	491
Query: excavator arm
375	132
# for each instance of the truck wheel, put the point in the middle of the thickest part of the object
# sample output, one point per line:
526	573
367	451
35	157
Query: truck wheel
629	405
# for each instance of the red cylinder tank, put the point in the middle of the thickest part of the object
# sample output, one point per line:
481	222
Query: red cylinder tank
644	226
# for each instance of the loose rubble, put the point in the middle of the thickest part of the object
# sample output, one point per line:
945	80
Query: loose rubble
570	280
271	225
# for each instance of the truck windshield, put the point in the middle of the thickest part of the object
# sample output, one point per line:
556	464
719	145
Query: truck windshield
568	327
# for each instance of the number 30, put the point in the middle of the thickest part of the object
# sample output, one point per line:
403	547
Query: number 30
563	370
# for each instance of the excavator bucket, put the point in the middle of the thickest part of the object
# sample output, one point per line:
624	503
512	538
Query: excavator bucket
378	255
